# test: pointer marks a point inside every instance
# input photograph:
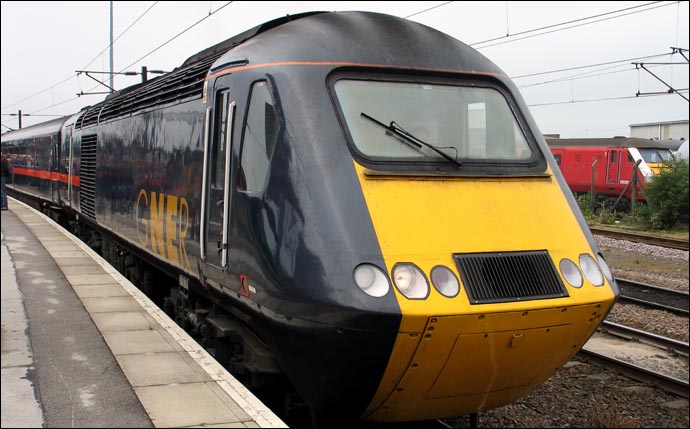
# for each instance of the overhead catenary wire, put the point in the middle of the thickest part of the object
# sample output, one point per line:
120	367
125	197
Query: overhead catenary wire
94	87
591	20
166	42
594	73
585	75
90	62
39	92
626	60
559	24
180	33
474	45
120	35
627	97
211	12
14	114
427	9
151	52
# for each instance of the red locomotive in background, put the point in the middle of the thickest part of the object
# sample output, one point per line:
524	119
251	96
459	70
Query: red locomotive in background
606	165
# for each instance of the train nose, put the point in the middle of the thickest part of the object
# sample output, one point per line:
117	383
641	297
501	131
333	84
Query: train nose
467	363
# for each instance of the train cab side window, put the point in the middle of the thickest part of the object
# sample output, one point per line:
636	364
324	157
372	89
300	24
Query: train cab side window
259	138
220	141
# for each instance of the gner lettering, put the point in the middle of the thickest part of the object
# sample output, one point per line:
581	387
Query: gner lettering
162	224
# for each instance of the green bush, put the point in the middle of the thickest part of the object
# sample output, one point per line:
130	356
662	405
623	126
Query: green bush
667	196
607	215
584	201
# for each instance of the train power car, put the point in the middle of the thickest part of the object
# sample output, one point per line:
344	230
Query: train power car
606	166
350	201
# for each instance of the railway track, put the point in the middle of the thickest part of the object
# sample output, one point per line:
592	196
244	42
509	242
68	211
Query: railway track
650	358
654	297
642	356
641	336
674	243
671	384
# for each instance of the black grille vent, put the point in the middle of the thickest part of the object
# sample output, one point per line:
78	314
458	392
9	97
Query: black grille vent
178	85
509	276
88	117
87	177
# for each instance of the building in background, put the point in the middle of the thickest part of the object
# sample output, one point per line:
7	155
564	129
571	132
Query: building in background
671	133
670	130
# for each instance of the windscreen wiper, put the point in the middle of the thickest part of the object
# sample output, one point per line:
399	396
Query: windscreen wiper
400	133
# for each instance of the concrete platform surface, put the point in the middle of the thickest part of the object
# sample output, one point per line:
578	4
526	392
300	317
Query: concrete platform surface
83	347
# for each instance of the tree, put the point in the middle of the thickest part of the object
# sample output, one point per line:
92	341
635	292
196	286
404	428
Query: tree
667	196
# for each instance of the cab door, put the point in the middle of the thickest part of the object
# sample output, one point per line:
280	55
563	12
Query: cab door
64	167
613	167
55	172
215	204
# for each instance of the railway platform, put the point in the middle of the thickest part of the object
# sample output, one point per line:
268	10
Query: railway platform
83	347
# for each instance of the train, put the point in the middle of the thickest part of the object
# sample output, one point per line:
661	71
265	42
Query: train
351	204
615	170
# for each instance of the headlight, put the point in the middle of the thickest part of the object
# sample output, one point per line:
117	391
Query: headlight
605	268
591	269
444	281
410	281
371	280
570	272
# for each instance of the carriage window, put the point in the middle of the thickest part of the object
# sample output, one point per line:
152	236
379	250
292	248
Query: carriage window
466	123
260	134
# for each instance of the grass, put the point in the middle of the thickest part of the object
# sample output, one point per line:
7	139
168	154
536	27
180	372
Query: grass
601	417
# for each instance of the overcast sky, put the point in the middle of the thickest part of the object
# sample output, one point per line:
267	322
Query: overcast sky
45	43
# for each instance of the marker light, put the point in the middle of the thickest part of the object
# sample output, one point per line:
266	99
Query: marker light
605	268
410	281
591	269
570	272
444	281
371	279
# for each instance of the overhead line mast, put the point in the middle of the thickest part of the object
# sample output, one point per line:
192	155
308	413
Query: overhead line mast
112	76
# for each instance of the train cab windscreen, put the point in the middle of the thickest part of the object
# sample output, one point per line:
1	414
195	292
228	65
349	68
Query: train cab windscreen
430	123
655	155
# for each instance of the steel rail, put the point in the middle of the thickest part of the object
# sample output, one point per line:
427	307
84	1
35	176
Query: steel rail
656	297
674	243
670	384
645	337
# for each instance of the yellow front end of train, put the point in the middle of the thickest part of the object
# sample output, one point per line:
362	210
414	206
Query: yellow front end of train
452	357
497	279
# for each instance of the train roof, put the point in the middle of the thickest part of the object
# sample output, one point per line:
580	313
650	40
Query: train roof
237	40
356	38
673	144
341	38
44	128
182	83
606	142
